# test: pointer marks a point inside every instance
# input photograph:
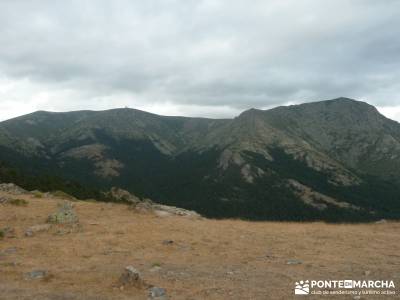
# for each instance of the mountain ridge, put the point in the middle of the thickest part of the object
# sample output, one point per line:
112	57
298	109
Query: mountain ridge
223	167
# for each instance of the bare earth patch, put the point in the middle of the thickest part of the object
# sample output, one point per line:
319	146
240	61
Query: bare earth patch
189	258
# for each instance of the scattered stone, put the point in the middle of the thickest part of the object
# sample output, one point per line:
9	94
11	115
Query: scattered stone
162	214
131	277
64	215
36	274
176	211
7	251
120	195
294	262
36	229
167	242
383	221
28	233
146	205
11	188
367	273
357	297
4	200
155	269
157	293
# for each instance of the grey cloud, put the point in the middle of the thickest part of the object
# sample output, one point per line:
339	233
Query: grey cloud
238	54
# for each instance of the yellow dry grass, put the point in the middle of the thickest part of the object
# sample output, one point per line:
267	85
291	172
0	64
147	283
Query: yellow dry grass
208	259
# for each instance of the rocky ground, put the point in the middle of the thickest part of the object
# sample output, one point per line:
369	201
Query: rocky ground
53	248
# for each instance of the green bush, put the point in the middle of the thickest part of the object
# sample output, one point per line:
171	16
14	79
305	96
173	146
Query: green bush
63	195
37	194
18	202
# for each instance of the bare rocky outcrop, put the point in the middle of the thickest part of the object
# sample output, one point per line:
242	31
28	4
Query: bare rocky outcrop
316	199
12	189
146	205
166	210
121	195
105	167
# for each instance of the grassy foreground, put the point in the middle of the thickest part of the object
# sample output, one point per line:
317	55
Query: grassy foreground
190	258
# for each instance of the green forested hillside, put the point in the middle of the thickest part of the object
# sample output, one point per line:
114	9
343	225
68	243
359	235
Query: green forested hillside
333	160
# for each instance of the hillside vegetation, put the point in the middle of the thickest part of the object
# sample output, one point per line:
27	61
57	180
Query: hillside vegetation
335	160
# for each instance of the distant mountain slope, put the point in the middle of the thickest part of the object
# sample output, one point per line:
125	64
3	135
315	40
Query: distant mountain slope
334	160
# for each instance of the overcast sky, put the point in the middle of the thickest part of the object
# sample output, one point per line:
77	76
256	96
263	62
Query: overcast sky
209	58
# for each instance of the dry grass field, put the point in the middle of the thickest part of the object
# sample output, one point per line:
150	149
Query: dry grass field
190	258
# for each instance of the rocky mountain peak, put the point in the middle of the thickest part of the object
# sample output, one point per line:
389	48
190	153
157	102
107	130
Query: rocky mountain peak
239	167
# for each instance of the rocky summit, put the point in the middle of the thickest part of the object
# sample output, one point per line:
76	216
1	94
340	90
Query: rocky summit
334	160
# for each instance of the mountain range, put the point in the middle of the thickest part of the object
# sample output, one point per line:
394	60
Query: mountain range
334	160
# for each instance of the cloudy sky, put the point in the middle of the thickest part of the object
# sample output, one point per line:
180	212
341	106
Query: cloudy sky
210	58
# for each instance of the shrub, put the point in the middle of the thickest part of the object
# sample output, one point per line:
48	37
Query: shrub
37	194
18	202
63	195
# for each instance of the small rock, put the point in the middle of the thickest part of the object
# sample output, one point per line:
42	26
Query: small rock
10	250
64	215
155	269
131	276
357	297
36	274
37	228
144	206
367	273
157	293
161	213
383	221
167	242
294	262
28	233
3	200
